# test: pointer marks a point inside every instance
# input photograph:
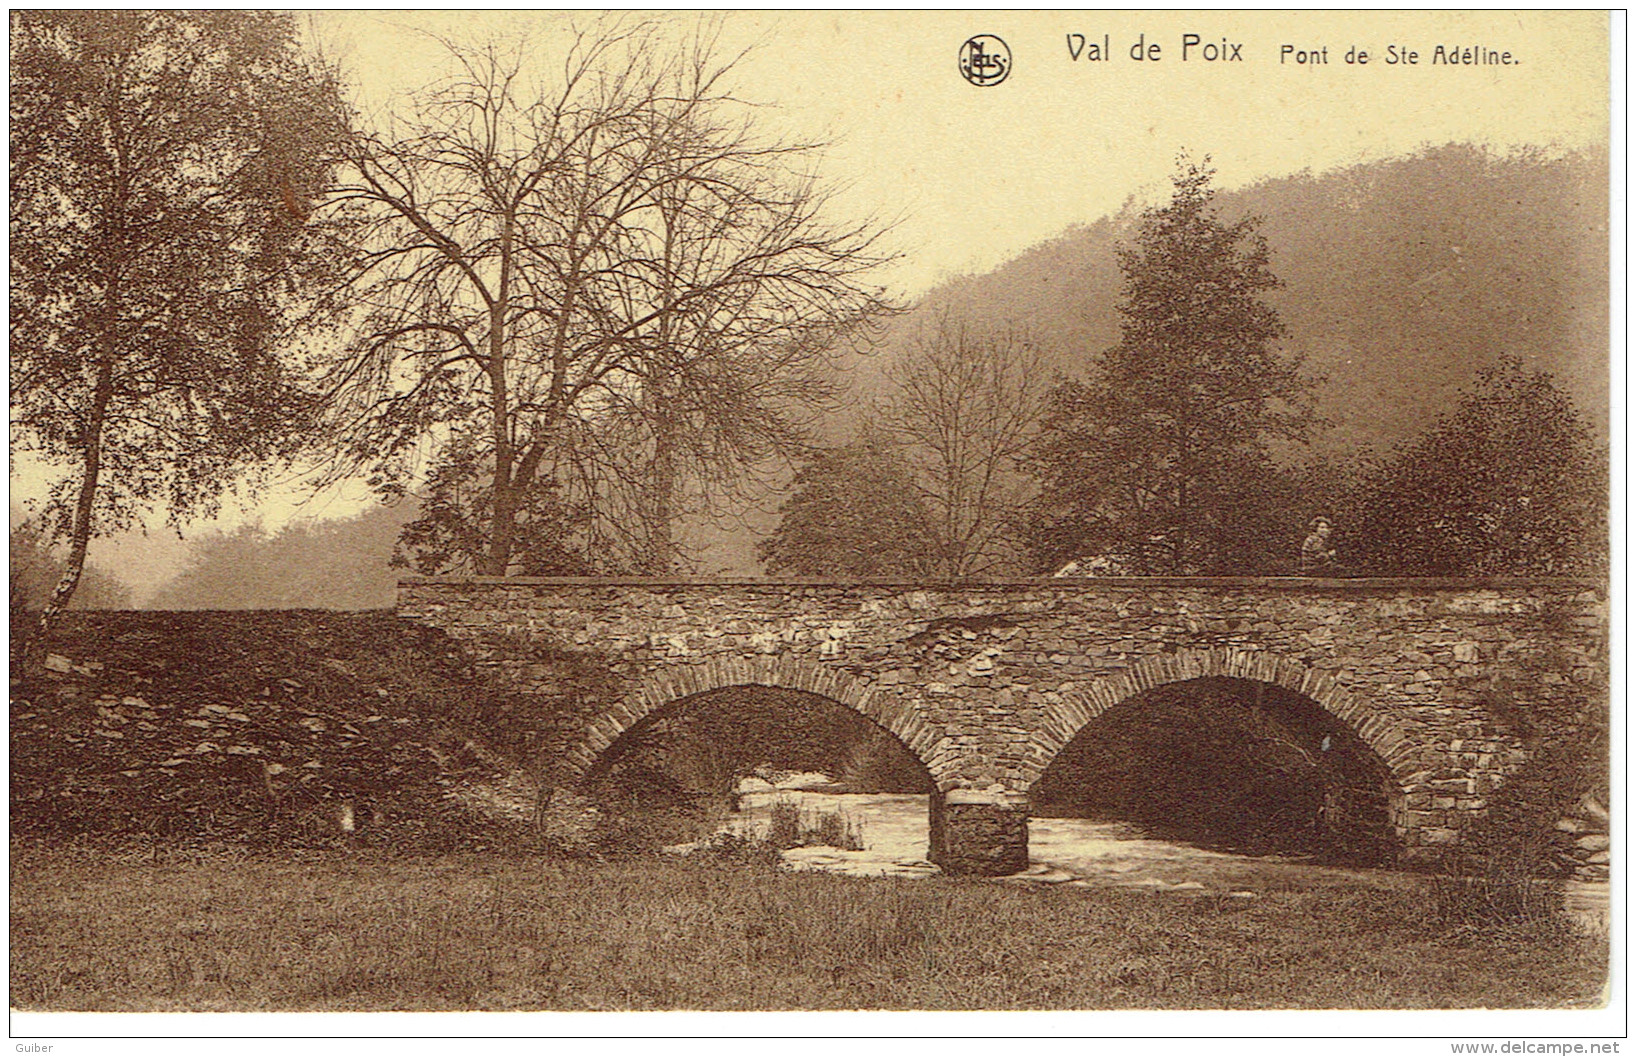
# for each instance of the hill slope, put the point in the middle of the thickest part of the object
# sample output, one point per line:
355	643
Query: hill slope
1402	279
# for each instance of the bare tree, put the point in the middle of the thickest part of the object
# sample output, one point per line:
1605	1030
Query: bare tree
609	279
967	405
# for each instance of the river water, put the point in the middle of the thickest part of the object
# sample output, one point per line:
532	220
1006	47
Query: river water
1061	850
1078	852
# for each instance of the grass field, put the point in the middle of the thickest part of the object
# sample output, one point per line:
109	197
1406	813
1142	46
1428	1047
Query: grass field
174	929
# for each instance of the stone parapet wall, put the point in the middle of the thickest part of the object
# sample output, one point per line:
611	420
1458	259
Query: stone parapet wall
987	682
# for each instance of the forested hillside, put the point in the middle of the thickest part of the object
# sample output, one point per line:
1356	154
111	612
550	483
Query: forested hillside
341	564
1402	279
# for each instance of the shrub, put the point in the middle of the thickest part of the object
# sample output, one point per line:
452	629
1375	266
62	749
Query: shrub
837	830
1509	872
784	825
790	827
1494	899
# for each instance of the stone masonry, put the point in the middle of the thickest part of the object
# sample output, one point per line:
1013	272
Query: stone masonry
986	682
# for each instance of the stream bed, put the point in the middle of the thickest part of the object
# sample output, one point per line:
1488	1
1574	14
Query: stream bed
1075	851
1061	850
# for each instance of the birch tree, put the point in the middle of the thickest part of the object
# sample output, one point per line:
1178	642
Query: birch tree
165	166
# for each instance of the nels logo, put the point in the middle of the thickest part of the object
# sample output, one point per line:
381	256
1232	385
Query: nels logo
985	60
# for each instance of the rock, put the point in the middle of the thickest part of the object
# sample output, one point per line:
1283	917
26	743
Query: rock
752	784
1571	825
1592	808
56	662
1593	842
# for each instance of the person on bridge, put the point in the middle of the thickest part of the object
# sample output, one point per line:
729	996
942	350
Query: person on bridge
1317	553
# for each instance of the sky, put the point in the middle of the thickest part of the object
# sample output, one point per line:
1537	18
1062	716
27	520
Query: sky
974	175
971	175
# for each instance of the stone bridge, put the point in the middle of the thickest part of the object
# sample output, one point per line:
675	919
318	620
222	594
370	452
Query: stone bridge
985	683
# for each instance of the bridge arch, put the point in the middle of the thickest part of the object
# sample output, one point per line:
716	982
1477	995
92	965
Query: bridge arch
662	689
1388	738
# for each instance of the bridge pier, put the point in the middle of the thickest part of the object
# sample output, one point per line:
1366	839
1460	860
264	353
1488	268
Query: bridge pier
979	833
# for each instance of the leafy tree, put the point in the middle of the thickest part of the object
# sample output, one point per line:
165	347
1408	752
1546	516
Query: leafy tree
1163	457
452	533
854	511
609	279
164	167
1509	482
966	408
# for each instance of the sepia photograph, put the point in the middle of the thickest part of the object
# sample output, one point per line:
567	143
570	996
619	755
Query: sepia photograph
814	514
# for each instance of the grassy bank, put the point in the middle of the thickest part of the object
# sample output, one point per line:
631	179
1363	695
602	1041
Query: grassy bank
171	929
